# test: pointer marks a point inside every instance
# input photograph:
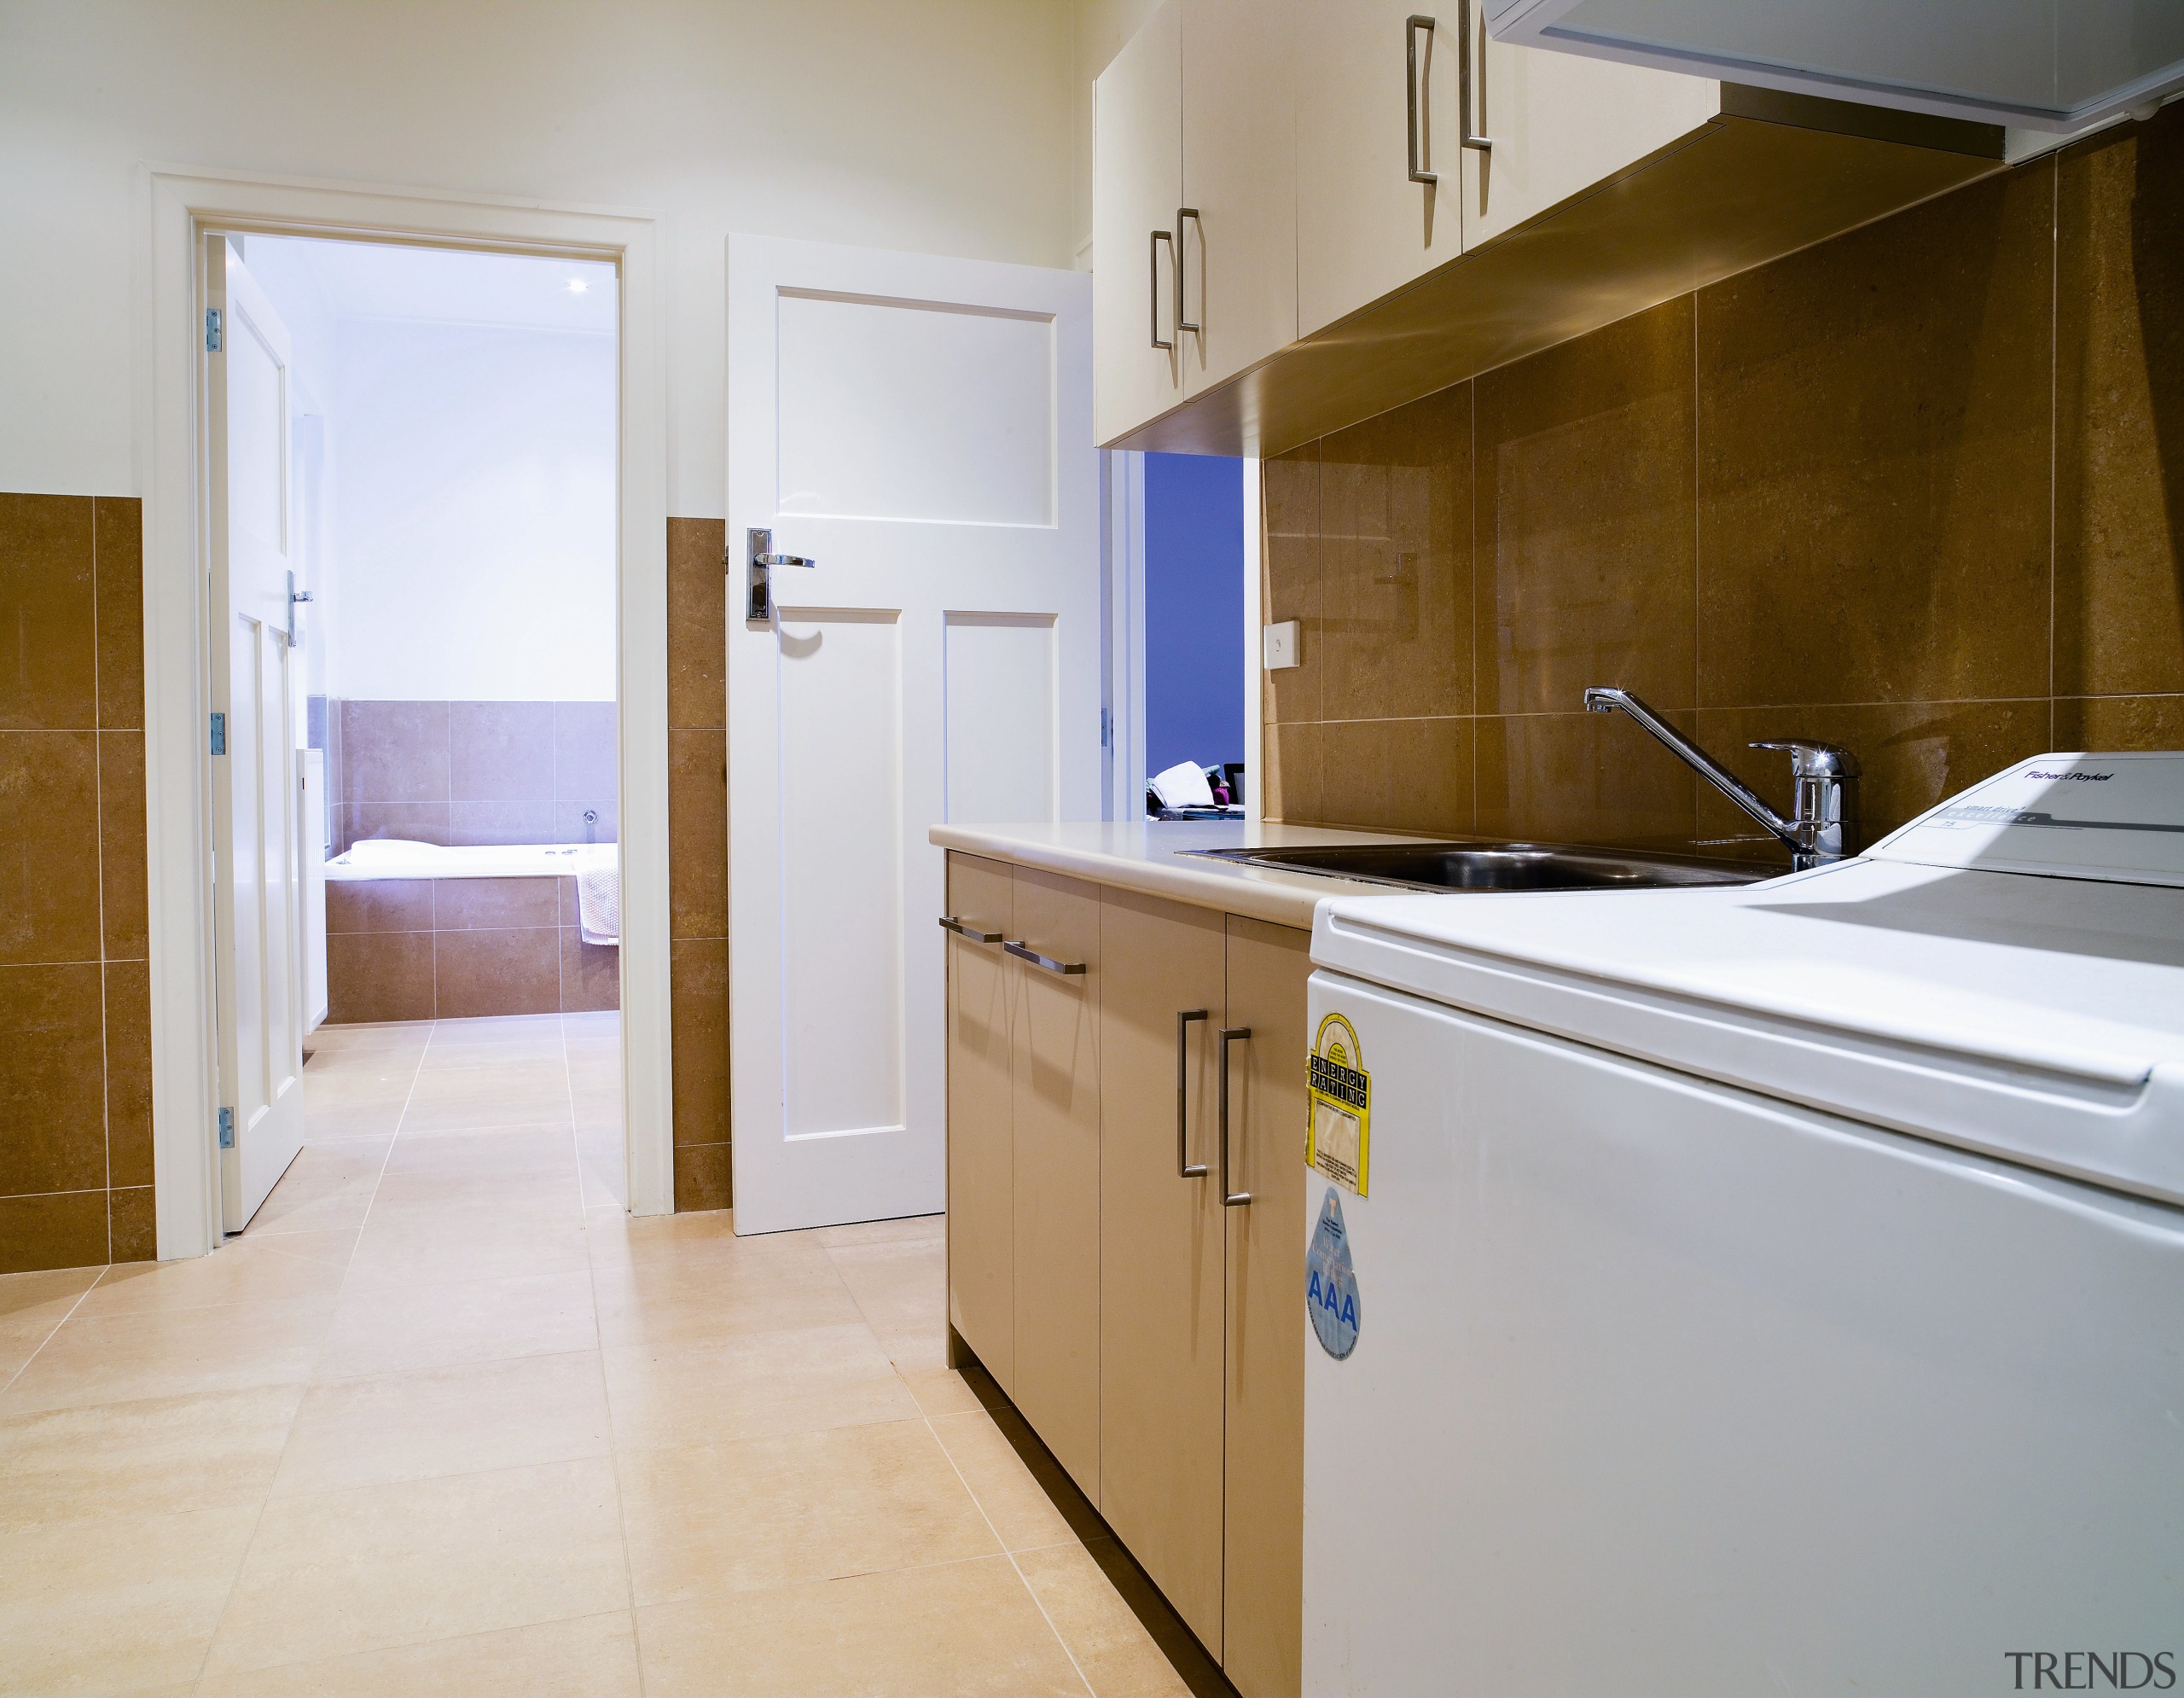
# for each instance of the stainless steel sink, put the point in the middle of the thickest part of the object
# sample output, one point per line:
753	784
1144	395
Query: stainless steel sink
1500	866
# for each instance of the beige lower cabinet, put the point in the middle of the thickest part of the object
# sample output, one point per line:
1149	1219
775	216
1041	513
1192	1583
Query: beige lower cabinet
981	1185
1054	1075
1162	1247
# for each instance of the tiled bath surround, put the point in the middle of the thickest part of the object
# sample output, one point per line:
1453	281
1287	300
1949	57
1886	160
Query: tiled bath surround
75	988
1914	491
455	949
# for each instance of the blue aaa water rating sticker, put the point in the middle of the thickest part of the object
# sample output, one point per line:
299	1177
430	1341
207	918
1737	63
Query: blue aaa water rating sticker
1330	1282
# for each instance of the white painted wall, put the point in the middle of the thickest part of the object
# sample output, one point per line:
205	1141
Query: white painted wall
936	126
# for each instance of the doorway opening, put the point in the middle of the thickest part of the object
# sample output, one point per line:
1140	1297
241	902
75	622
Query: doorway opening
1196	561
413	461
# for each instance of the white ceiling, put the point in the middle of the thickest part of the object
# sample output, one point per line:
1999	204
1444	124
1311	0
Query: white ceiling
447	285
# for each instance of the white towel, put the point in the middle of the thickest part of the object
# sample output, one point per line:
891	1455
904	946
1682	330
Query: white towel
599	903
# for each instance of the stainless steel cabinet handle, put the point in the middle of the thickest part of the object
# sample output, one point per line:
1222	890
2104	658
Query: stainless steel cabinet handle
1413	97
1046	961
1185	1169
1159	237
949	922
1468	79
1183	270
1229	1034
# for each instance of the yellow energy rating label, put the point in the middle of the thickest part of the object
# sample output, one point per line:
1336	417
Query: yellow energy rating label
1339	1138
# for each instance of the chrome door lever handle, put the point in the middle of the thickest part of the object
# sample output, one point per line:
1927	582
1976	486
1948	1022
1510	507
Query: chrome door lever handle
949	922
758	598
1068	967
768	559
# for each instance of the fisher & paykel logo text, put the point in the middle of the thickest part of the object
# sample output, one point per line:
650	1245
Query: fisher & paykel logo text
2093	1670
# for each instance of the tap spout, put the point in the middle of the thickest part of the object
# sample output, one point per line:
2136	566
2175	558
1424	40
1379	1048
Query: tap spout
1600	700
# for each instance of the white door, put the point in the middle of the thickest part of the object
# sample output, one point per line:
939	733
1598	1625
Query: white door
921	428
257	814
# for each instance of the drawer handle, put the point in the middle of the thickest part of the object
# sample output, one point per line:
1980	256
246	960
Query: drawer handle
1159	237
1046	961
1421	159
1229	1034
949	922
1182	268
1185	1169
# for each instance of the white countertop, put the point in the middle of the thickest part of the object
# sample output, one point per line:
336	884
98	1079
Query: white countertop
1144	856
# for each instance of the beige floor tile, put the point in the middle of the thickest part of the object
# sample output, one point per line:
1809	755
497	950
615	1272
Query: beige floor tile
445	1420
965	1628
327	1187
940	1391
1021	1512
916	1229
496	1043
428	1246
512	1151
391	1326
804	1506
339	1573
772	1284
504	1195
901	1287
1117	1657
388	1034
32	1305
180	1352
342	1122
685	1239
594	1656
712	1391
152	1456
118	1605
279	1267
458	1099
597	1108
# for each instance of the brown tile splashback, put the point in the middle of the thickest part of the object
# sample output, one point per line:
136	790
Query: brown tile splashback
1583	778
697	624
1290	561
2119	722
48	661
1409	774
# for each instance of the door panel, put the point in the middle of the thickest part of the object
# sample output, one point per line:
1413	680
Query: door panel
1137	185
1055	1098
921	428
981	1164
1267	970
258	855
1239	255
1162	1263
1364	227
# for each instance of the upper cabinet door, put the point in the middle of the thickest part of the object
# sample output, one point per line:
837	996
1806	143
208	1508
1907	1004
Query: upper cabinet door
1375	99
1558	125
1137	185
1236	225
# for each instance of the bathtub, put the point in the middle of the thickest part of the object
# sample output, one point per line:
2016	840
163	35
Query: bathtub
395	857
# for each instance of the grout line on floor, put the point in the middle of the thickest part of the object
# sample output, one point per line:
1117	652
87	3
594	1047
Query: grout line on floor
58	1325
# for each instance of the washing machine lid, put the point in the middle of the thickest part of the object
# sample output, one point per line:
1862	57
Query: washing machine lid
2036	1018
2112	817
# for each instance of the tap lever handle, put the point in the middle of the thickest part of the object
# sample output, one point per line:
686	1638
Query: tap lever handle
1813	760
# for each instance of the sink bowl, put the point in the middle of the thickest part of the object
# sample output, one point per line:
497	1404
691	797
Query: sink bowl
1500	866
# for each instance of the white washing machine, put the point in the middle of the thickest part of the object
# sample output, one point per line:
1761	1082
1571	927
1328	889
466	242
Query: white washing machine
1765	1289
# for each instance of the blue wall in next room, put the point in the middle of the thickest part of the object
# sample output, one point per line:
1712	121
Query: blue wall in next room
1194	610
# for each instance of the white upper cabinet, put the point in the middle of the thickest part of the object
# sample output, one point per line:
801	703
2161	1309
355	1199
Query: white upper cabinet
1376	112
1559	123
1137	185
1237	238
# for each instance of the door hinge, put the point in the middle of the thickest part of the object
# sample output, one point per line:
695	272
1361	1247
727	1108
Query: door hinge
1107	730
211	330
227	1129
219	734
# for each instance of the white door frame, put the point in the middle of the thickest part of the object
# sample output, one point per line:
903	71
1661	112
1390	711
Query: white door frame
179	205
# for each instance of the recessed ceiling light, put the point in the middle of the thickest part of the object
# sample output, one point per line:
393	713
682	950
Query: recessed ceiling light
577	286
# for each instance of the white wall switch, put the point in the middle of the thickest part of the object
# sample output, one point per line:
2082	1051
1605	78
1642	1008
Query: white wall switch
1283	645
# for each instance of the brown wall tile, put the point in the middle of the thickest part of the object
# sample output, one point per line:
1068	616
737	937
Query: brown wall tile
591	974
48	655
496	973
1289	489
394	751
1874	458
1583	778
585	760
52	1082
1294	780
703	1178
495	904
2119	390
1587	520
1405	775
122	874
500	751
487	822
697	833
133	1226
2119	722
697	990
697	624
1394	634
379	905
129	1071
63	1230
415	822
49	845
378	976
118	527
